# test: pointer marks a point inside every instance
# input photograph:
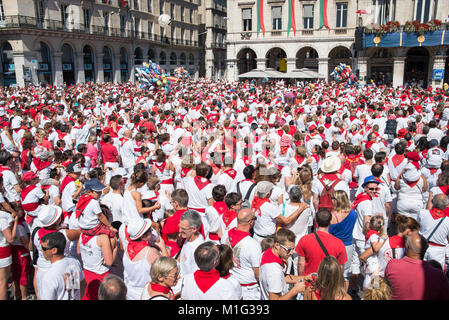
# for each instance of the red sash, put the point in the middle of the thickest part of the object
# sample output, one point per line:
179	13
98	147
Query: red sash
28	206
235	236
205	280
201	182
5	252
83	201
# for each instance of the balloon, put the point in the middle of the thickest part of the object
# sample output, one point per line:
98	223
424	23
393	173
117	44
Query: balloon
164	81
164	20
159	83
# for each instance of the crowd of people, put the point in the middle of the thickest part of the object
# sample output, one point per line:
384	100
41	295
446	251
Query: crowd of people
224	191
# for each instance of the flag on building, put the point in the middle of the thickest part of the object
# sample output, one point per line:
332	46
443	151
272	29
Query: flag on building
124	2
291	17
260	24
323	15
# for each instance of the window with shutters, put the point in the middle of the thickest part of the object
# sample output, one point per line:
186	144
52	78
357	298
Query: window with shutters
308	16
247	19
276	13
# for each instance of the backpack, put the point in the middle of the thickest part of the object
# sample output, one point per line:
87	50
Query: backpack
390	127
326	195
351	165
246	204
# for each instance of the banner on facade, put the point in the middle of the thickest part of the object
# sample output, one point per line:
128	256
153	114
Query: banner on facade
438	74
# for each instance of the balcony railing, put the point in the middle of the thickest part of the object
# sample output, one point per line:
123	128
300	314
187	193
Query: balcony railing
13	22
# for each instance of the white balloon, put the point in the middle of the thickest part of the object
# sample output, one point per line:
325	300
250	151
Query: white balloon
164	20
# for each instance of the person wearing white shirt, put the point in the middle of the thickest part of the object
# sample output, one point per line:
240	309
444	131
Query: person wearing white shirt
64	280
114	199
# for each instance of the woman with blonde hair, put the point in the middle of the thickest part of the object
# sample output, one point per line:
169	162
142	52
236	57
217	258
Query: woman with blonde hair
379	289
164	276
342	225
329	283
304	182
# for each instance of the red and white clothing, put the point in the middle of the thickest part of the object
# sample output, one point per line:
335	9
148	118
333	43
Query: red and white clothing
9	181
5	248
271	275
429	219
136	273
165	176
266	213
228	178
30	196
212	221
202	285
395	165
199	190
247	256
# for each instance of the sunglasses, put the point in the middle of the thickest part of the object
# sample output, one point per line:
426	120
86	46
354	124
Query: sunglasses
373	189
289	250
45	249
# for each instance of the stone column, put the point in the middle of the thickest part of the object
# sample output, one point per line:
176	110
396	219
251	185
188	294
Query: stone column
398	71
363	69
291	64
231	70
323	68
209	57
59	77
19	64
116	67
100	68
79	63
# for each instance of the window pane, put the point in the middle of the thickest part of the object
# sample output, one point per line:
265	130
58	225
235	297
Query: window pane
246	13
308	11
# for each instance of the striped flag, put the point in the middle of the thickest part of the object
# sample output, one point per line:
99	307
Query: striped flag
291	17
323	15
124	2
260	24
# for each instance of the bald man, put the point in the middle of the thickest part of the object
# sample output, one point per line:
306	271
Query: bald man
128	151
411	278
247	254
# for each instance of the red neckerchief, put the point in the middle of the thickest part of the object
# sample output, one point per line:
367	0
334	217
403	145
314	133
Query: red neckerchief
444	189
327	125
160	167
231	173
184	172
160	288
220	206
284	149
235	236
360	198
247	161
172	246
65	182
257	203
329	176
123	141
201	182
206	279
83	201
369	144
134	247
40	164
299	159
265	153
229	216
396	242
437	213
397	159
411	184
433	170
280	132
370	233
316	157
269	257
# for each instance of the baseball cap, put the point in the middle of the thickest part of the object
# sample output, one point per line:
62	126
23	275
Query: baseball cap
94	184
264	187
73	167
28	176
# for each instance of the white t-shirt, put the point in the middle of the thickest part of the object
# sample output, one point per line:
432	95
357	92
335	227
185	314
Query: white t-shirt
223	289
272	279
88	218
266	224
62	280
364	208
114	202
186	256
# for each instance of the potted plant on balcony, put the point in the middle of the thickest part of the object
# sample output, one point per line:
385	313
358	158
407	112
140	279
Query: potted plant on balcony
435	24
